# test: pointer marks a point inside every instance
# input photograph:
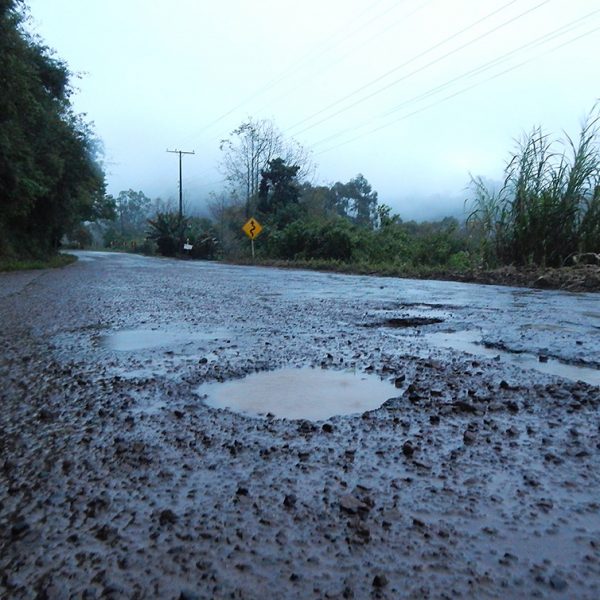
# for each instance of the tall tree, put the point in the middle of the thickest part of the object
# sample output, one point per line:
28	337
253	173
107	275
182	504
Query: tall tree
133	209
356	200
279	191
247	152
278	186
50	176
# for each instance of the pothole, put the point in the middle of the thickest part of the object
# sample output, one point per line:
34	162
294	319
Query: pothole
313	394
470	341
131	340
400	322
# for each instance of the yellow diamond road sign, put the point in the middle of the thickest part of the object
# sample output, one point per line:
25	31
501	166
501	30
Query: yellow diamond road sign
252	228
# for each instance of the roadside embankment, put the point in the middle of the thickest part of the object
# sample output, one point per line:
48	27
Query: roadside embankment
580	278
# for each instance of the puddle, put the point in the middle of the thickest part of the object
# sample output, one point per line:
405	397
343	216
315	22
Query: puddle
132	340
470	341
314	394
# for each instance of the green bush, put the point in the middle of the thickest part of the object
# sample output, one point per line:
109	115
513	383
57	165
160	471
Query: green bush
307	240
460	261
333	240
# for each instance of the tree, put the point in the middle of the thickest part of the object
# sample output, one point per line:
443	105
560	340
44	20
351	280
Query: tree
279	191
317	201
132	209
104	208
356	200
50	174
248	151
278	186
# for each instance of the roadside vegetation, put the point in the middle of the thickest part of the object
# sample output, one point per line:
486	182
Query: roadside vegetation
56	261
50	175
546	212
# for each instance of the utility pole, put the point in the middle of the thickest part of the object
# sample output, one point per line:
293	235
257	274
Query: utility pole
180	152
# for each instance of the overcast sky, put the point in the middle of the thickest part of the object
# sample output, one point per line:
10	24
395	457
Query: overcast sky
414	94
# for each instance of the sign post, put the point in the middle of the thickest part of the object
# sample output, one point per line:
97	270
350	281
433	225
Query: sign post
252	229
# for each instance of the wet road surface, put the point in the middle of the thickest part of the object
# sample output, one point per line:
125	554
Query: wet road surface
478	477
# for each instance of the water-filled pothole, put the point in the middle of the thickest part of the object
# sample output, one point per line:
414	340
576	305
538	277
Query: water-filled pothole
131	340
470	341
313	394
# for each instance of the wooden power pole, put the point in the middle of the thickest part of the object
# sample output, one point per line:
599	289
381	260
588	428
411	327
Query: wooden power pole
180	152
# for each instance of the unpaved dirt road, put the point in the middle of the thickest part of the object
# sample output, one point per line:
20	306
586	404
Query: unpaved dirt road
479	477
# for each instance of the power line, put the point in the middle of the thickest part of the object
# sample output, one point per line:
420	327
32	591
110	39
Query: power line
403	18
416	71
406	63
307	58
427	51
462	91
560	31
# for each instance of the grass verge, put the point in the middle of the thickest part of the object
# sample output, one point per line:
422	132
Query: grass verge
357	268
584	278
53	262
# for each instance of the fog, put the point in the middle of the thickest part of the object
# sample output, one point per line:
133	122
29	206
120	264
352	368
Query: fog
414	94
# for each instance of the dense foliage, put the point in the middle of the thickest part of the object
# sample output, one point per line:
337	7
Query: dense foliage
547	210
127	230
50	179
168	232
549	206
339	223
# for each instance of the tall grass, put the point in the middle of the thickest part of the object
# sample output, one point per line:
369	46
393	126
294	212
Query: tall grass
549	206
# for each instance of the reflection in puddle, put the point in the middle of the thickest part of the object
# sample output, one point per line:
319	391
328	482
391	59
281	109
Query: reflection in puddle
313	394
131	340
470	341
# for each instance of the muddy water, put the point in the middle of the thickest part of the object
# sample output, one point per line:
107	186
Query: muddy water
471	342
313	394
132	340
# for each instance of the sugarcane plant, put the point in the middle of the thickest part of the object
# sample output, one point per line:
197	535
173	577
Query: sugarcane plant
548	208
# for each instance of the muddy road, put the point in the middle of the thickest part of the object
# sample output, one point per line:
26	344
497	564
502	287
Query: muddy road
479	476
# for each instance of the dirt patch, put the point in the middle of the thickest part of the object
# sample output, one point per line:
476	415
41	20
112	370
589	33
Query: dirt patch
401	322
581	278
578	278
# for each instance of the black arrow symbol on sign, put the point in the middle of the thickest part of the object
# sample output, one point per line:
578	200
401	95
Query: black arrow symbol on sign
252	228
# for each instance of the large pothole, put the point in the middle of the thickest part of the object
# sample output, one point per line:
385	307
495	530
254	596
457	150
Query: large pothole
313	394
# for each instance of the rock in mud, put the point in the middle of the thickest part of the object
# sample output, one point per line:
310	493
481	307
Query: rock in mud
469	437
352	505
558	583
380	580
289	501
167	517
